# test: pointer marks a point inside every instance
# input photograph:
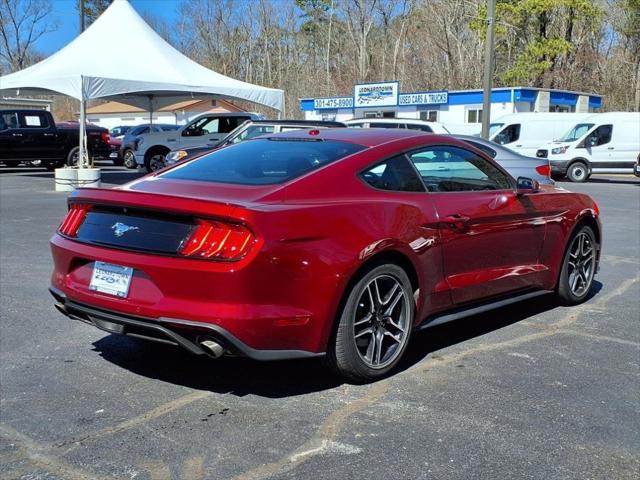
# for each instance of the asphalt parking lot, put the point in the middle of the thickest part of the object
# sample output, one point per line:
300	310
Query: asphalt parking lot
529	391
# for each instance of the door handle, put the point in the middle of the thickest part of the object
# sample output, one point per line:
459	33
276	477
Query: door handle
457	223
518	146
48	134
610	148
16	134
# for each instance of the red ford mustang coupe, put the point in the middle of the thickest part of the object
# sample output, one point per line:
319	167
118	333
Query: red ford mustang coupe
335	243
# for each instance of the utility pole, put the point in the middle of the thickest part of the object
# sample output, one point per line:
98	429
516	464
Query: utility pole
81	16
488	69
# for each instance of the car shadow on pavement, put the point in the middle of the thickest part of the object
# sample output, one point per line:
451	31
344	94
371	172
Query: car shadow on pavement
242	376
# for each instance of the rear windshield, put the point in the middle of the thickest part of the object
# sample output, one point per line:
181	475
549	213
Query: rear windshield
263	161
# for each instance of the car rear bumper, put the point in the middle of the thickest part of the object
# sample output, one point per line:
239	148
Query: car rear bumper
183	333
258	306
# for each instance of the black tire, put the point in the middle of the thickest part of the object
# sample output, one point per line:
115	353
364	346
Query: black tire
129	159
345	354
73	157
578	172
155	160
567	294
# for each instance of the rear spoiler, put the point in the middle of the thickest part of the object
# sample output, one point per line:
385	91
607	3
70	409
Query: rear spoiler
158	202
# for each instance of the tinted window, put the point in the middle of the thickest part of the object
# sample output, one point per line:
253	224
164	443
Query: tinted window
33	120
395	174
424	128
168	128
600	136
489	151
383	125
453	169
140	130
263	161
508	134
8	120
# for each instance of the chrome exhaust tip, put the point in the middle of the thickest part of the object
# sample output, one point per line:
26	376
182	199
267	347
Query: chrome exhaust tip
212	348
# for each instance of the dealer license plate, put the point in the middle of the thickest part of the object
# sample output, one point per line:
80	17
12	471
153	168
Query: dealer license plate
111	279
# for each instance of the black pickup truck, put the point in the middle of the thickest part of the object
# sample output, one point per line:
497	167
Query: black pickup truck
32	135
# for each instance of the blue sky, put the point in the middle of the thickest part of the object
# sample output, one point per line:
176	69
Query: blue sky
65	13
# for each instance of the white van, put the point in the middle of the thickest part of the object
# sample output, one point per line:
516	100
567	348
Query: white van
410	123
602	143
525	133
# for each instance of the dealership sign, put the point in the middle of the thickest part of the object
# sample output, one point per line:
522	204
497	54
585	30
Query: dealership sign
425	98
332	103
376	95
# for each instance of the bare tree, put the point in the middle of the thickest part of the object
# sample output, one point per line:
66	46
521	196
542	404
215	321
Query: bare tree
22	24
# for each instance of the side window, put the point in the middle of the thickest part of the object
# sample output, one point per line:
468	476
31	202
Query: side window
201	127
424	128
453	169
227	124
395	174
383	125
600	136
8	120
509	134
251	132
33	120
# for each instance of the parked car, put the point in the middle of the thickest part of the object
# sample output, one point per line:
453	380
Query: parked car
603	143
32	136
319	243
115	144
129	143
152	148
517	165
120	131
249	129
525	133
409	123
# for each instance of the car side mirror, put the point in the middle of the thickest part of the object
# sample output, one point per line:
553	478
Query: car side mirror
526	185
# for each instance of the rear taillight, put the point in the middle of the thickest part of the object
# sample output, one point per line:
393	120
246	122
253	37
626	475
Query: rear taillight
75	216
105	137
217	240
544	170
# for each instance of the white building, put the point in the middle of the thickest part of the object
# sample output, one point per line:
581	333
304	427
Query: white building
25	103
113	114
459	110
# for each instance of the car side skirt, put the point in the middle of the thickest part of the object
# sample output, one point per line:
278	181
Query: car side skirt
477	308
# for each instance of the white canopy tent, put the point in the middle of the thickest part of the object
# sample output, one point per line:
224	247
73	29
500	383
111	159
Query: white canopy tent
151	74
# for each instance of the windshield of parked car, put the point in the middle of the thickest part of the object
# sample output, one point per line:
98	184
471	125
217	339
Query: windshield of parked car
252	131
576	132
263	161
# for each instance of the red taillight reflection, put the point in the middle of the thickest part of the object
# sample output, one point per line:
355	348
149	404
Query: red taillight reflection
75	216
105	137
217	240
544	170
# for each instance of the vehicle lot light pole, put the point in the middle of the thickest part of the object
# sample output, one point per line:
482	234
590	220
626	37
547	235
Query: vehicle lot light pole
488	68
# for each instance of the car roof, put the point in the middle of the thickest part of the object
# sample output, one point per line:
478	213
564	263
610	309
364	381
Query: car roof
310	123
413	121
367	137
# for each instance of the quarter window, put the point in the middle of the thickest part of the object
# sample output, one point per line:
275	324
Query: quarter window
453	169
395	174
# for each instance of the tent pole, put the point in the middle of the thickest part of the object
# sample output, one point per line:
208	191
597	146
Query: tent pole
150	109
82	154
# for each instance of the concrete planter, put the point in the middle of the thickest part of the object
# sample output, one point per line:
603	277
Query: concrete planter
68	179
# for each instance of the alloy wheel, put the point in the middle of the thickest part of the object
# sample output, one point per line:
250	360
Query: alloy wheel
129	159
381	323
156	162
581	264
